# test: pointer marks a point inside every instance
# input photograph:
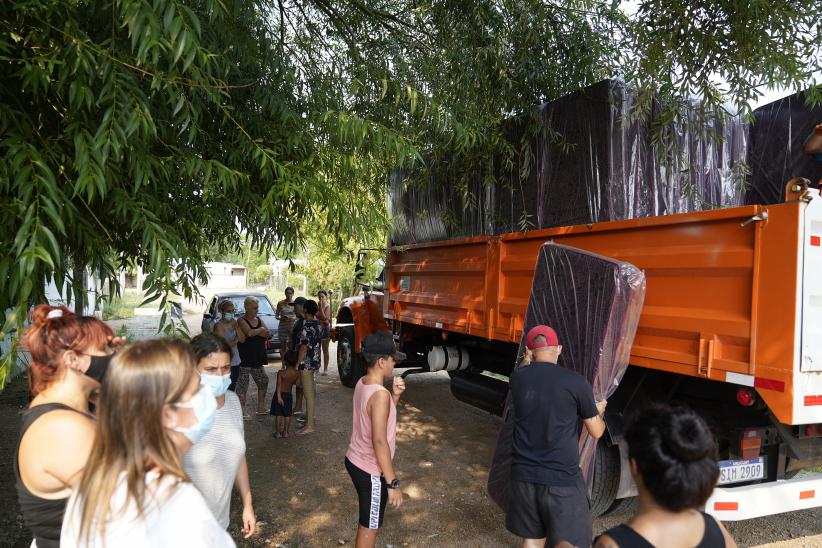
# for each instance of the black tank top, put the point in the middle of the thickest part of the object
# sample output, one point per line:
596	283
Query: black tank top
43	517
625	537
252	351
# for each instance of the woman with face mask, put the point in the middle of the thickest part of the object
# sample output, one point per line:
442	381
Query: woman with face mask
217	462
134	491
226	327
57	429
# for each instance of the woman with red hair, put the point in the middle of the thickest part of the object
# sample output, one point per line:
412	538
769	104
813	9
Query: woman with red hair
69	356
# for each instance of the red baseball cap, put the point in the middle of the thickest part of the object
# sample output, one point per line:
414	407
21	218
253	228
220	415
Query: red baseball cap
549	334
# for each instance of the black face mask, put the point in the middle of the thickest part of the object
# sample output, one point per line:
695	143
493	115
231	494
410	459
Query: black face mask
98	368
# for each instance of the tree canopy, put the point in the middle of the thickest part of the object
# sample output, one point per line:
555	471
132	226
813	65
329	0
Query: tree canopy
157	131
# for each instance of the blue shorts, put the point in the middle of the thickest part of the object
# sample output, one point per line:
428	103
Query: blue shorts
283	410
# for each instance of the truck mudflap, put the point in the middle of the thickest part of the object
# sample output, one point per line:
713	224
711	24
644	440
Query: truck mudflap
765	499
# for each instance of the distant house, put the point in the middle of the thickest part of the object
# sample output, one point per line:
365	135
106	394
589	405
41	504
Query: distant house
226	276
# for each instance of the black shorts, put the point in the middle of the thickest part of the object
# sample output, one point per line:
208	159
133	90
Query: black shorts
558	513
283	410
372	494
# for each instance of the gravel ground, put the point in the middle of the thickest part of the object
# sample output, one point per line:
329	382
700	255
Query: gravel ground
303	496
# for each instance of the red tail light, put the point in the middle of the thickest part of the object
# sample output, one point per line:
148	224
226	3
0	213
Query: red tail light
745	397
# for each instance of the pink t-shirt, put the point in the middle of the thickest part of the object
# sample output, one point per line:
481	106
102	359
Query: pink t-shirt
361	450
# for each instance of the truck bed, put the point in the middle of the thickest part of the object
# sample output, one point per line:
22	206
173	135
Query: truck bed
725	297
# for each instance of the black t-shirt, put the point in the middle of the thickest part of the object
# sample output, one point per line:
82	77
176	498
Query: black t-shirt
549	403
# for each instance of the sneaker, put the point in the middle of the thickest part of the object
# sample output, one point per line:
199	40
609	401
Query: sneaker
277	435
284	435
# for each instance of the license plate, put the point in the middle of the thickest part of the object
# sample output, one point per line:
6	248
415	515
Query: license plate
738	471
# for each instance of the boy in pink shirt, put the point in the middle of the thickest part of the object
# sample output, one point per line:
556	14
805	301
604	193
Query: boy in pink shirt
373	436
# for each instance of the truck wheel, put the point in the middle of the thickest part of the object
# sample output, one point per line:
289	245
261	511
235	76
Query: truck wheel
605	481
628	505
349	363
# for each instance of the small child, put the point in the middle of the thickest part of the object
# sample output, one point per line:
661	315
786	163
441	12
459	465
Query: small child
287	377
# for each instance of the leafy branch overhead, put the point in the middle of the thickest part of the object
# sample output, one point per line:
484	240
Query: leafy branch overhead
159	131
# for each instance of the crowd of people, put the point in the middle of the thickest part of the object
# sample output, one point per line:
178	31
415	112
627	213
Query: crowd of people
143	445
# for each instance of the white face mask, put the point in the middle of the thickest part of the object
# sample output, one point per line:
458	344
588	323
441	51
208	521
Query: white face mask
217	383
204	405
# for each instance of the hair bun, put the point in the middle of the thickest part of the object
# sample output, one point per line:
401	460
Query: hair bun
687	439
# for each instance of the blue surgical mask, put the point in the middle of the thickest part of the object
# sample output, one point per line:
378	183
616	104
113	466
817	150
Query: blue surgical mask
218	383
204	405
228	316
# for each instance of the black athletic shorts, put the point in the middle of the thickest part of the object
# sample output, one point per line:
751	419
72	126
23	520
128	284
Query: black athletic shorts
372	494
283	410
558	513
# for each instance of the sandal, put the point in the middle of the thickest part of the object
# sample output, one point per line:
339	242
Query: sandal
246	417
262	413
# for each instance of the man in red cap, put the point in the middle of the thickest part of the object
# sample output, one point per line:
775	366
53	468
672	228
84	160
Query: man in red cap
548	496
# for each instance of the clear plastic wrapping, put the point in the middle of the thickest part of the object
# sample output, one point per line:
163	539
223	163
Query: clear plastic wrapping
594	304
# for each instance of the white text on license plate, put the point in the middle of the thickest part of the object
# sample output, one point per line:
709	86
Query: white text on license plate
737	471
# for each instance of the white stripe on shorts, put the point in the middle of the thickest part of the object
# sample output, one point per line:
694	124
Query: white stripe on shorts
376	494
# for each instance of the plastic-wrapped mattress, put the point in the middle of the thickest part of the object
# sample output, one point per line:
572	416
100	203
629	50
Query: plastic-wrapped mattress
593	303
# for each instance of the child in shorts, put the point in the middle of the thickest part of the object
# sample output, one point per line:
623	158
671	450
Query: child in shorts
281	404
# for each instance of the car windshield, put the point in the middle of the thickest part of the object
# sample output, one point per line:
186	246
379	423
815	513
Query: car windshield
265	305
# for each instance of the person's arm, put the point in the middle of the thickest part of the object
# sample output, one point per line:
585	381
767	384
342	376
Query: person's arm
397	389
301	355
244	488
604	541
220	330
246	328
278	387
729	540
66	429
588	410
378	410
277	309
240	334
596	424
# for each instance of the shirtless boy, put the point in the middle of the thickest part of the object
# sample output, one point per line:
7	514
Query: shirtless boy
281	405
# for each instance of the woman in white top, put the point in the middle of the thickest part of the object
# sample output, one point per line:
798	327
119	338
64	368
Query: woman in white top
134	491
217	462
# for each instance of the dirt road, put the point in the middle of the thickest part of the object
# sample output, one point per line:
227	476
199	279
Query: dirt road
304	497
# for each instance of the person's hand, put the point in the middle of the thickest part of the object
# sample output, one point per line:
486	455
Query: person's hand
249	521
601	405
526	357
115	342
398	387
394	498
280	400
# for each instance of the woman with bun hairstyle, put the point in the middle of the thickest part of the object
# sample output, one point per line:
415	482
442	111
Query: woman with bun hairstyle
674	465
134	491
217	462
57	429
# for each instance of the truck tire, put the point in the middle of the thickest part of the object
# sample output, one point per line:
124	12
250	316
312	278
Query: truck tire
628	506
349	363
605	482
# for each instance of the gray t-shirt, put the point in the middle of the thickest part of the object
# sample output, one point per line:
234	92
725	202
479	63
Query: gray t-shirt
212	462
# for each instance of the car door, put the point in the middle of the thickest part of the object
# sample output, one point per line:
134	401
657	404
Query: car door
208	316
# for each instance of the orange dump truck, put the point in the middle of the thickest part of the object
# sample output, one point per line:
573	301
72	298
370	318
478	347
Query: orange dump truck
731	326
